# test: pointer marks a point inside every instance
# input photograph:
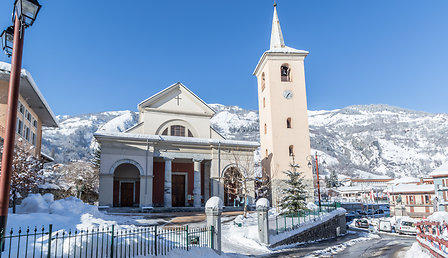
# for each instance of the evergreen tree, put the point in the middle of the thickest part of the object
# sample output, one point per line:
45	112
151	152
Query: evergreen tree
295	193
96	155
327	182
334	181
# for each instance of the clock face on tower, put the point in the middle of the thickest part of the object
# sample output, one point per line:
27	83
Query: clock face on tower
287	94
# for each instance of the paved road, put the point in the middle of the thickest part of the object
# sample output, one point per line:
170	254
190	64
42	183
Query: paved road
388	245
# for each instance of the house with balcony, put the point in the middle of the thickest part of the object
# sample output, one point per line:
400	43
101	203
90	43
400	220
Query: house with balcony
440	177
33	111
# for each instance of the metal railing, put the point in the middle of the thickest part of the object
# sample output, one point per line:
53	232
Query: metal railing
430	236
290	221
102	242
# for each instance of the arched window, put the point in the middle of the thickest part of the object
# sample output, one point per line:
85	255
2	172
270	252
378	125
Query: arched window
266	153
291	150
165	132
288	123
264	102
177	130
265	129
263	82
285	72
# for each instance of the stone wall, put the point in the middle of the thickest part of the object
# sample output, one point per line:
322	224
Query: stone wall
325	230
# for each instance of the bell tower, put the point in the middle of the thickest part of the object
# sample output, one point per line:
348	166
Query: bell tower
284	132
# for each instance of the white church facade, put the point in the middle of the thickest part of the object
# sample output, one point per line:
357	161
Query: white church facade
172	157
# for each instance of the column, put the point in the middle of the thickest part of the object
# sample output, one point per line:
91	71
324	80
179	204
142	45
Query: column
263	220
207	182
167	202
197	184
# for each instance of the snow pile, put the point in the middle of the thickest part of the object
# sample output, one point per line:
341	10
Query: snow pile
262	203
440	216
36	203
417	251
214	203
312	206
193	252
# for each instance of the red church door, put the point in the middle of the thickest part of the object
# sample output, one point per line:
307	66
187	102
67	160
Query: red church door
127	194
178	190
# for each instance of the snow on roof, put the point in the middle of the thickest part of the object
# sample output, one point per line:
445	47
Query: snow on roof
32	94
442	170
404	180
411	188
175	139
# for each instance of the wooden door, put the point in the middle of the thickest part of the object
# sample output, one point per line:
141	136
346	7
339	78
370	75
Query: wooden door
178	190
127	194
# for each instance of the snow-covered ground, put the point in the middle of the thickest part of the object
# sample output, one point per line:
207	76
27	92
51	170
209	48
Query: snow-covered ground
417	251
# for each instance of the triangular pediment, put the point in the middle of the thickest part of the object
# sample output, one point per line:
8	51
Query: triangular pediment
177	99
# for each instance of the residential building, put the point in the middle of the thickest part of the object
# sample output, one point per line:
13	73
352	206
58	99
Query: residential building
33	110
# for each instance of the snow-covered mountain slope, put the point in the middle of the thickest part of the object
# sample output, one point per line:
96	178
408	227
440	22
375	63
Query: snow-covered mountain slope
357	140
73	139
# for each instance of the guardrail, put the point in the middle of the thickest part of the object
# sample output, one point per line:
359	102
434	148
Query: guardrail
102	242
290	221
430	236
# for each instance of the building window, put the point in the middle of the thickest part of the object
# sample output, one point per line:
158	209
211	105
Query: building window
265	129
285	73
165	132
21	108
266	153
190	134
28	115
288	122
264	102
411	199
177	130
27	133
19	126
35	123
291	150
263	82
33	139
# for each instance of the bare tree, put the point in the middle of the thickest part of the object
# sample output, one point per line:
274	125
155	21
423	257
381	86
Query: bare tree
82	180
245	179
26	171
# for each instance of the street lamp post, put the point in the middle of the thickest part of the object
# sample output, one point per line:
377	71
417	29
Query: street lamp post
317	175
24	15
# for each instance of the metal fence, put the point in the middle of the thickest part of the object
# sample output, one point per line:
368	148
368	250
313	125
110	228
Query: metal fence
290	221
430	236
102	242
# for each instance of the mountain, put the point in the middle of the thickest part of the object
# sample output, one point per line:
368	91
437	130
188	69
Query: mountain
365	141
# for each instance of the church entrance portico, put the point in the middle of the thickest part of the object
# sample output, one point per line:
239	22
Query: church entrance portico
126	188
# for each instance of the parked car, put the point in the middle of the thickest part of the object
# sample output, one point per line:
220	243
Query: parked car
406	226
362	223
384	225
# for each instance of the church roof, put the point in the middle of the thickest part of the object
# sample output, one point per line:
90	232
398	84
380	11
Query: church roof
168	90
175	139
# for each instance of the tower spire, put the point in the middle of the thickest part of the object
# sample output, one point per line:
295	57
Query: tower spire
276	33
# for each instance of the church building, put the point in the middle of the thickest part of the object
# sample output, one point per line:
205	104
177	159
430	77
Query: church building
284	132
172	157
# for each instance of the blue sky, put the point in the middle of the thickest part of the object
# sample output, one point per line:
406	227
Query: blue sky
91	56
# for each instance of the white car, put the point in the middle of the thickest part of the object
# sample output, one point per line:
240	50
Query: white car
384	225
406	226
